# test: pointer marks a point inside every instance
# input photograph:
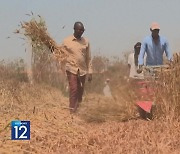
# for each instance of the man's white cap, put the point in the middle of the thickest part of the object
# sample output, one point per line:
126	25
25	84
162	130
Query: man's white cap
155	25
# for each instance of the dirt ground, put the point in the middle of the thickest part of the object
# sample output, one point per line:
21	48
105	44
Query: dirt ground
55	131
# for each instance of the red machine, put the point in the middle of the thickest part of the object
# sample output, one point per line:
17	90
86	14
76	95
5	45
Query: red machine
145	91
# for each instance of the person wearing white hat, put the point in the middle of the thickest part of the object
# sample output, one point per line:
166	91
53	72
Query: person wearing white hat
154	46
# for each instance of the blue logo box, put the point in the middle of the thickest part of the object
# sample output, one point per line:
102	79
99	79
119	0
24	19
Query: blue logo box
20	130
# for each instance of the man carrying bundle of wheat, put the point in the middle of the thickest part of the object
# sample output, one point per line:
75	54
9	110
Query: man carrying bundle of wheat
74	52
78	64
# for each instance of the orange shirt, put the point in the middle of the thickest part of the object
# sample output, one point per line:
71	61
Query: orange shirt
78	55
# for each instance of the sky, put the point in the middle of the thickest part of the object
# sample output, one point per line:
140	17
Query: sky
111	26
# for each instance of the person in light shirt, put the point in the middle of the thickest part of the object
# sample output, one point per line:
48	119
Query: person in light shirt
133	63
78	64
154	46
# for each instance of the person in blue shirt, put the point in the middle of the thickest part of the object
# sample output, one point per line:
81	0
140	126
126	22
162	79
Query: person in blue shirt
154	46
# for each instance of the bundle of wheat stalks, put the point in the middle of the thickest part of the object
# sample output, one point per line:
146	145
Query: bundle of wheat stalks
37	33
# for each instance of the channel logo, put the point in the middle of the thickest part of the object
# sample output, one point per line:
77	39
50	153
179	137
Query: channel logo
20	130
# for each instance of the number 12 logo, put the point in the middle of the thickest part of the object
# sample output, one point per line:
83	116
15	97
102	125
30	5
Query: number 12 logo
20	130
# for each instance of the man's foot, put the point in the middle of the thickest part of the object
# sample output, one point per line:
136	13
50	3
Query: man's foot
72	110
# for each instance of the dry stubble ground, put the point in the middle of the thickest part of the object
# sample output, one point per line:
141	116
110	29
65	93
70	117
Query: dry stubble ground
54	130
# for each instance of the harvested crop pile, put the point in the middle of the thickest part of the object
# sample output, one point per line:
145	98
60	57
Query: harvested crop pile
37	32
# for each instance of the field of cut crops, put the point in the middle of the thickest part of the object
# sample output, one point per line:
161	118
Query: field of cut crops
101	125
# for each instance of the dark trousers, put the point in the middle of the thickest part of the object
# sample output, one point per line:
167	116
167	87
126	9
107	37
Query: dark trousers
76	89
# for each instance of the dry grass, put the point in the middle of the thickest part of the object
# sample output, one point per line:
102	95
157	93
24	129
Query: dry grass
94	129
97	108
54	130
168	90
